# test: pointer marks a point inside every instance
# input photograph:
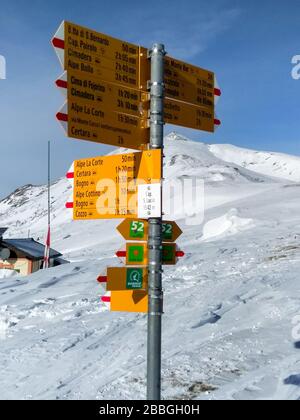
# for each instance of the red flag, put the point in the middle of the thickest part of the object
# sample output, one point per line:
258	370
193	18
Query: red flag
47	251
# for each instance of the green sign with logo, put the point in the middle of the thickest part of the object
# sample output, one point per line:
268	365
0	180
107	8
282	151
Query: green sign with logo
134	278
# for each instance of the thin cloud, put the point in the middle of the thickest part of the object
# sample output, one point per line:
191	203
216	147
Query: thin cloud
189	37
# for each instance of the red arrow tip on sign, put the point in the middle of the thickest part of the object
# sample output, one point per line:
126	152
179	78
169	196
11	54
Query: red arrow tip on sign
121	254
218	92
61	84
69	205
58	43
180	254
102	279
62	117
105	299
70	175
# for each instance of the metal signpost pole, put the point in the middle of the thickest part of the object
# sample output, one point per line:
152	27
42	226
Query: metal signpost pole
157	55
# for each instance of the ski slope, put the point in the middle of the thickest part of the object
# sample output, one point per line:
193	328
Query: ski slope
230	303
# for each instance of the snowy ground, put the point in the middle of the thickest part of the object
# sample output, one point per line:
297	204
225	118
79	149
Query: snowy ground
229	304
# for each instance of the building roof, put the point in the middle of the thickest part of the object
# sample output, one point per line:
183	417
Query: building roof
29	247
2	231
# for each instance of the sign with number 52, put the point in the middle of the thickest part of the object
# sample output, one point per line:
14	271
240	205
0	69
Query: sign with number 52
137	230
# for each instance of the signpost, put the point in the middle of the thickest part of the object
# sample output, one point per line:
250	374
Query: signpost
136	254
127	301
99	55
104	112
109	97
106	84
125	278
190	116
107	187
112	97
187	83
103	73
137	230
93	123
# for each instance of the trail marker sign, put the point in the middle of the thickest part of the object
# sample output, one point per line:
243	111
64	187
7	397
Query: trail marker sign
187	83
95	60
107	83
103	112
136	254
113	98
125	278
134	278
137	230
107	187
102	56
127	301
94	123
190	116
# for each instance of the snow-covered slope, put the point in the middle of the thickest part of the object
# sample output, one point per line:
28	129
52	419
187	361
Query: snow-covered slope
230	303
271	164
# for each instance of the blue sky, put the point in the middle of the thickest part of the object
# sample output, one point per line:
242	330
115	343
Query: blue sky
248	44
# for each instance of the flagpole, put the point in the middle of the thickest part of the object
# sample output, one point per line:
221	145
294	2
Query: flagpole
48	243
49	180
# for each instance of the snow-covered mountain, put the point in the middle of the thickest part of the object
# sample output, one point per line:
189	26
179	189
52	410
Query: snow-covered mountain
272	164
231	304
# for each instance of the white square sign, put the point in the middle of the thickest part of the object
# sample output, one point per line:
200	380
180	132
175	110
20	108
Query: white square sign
149	201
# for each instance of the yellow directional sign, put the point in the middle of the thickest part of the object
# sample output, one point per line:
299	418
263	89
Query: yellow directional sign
94	123
100	109
188	83
190	116
183	81
100	120
108	97
125	278
129	301
137	230
107	58
107	187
